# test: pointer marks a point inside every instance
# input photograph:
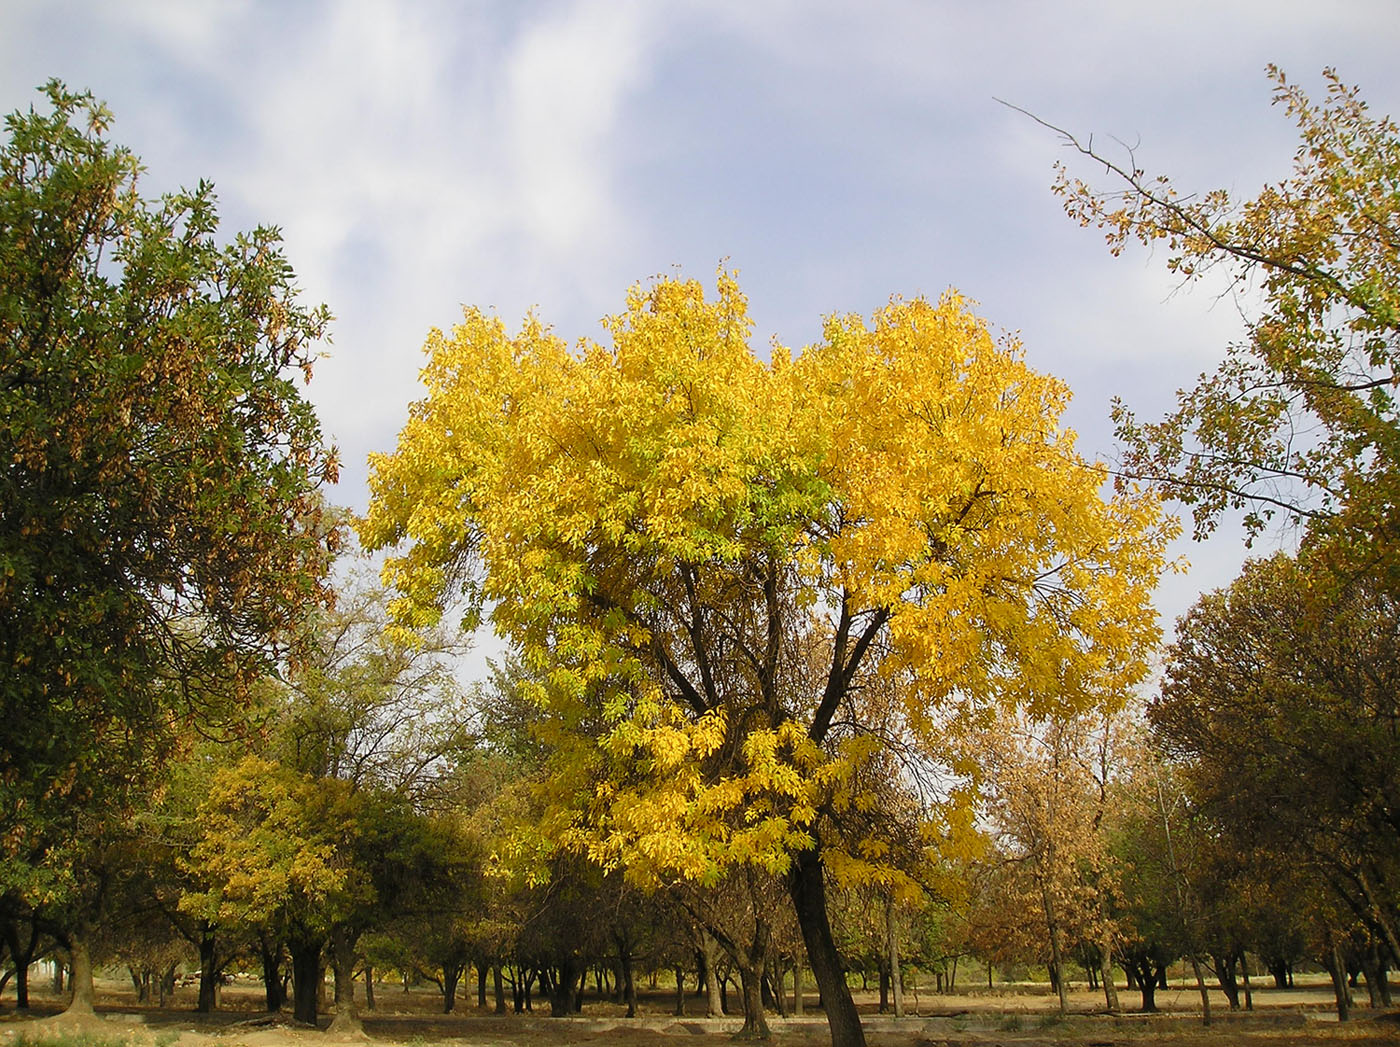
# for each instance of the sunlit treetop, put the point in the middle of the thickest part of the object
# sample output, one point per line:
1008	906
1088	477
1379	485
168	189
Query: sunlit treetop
705	555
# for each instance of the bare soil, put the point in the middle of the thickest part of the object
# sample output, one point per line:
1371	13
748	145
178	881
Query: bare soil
1016	1016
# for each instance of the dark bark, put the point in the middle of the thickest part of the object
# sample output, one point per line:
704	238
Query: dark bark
1336	967
627	984
451	975
306	979
1224	964
807	885
208	970
274	988
347	1017
755	1025
369	987
167	985
23	950
498	988
1143	975
679	1011
561	993
481	984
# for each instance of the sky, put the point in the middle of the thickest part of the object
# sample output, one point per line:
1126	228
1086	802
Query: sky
422	155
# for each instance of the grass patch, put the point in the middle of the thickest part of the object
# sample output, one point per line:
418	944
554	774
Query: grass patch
77	1039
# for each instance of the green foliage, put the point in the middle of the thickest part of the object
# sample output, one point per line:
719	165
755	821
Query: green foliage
1301	416
1281	706
160	527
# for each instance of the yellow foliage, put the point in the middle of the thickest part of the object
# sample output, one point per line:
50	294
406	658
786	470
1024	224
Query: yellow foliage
707	556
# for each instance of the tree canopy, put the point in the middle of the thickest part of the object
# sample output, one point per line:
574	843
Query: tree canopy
705	555
161	527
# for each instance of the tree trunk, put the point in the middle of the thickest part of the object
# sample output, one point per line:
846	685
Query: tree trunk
1244	975
797	986
806	882
369	987
1110	990
208	970
1337	968
1225	975
22	956
1368	968
1142	974
1057	952
679	1012
561	994
498	988
892	945
166	985
273	985
451	975
347	1016
714	1001
629	984
80	1003
306	977
1201	987
755	1022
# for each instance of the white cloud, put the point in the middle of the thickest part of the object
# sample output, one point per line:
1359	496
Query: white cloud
567	79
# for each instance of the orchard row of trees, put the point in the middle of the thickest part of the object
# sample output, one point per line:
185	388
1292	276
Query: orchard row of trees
819	662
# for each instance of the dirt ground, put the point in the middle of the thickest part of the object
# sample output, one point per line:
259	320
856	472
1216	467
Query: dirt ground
1017	1016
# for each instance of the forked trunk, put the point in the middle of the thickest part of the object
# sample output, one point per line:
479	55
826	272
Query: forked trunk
347	1016
806	883
21	955
1336	967
755	1022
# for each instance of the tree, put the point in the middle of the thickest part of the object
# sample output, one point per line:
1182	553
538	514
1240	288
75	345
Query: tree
705	556
1301	416
324	834
1047	789
160	521
1280	706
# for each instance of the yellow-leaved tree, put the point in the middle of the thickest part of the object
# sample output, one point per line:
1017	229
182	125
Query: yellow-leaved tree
706	558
